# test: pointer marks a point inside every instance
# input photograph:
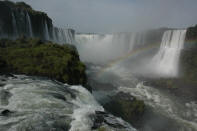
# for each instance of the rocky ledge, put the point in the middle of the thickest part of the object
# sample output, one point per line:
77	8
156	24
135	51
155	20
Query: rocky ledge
126	106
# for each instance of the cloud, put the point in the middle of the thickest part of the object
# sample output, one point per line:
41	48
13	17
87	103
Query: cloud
118	15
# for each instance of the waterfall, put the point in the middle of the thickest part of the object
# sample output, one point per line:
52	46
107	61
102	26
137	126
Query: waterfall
70	37
103	48
167	59
29	25
14	25
132	42
46	30
63	36
54	34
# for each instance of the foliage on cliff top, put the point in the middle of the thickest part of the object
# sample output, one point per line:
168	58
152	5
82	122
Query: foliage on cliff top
34	57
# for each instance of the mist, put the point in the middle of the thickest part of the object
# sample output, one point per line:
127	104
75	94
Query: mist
106	16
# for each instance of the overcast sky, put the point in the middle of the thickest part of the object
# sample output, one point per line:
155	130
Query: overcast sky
118	15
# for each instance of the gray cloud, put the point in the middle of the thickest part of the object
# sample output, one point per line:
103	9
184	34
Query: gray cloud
118	15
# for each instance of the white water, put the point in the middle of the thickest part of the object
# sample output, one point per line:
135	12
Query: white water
63	36
184	114
87	106
87	38
97	48
166	61
22	25
46	30
29	25
40	104
14	25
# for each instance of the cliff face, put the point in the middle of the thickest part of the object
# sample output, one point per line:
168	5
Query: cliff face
19	19
192	33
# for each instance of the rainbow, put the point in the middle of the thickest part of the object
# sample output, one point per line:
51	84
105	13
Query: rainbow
131	53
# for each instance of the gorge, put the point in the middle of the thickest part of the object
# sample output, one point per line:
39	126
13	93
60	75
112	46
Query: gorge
58	79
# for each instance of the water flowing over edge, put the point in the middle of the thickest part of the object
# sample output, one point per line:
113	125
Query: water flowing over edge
41	104
166	61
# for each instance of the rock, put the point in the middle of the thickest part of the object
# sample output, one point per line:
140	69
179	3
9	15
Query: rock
191	33
126	106
101	118
9	75
4	97
5	112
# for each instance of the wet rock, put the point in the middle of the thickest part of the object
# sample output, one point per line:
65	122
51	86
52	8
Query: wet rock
9	75
58	96
2	84
126	106
6	112
102	118
98	121
4	96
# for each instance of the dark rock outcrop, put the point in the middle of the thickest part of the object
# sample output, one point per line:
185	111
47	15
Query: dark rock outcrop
126	107
101	118
191	33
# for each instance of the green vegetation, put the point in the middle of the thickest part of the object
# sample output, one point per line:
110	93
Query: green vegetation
35	57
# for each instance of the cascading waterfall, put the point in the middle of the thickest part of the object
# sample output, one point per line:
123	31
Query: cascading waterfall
54	34
132	42
112	46
70	38
46	30
14	25
22	23
84	38
29	25
63	36
167	59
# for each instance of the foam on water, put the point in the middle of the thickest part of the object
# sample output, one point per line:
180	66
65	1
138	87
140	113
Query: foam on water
184	114
87	106
41	104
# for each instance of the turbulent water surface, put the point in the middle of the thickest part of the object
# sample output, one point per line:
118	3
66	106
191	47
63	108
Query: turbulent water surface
164	111
32	103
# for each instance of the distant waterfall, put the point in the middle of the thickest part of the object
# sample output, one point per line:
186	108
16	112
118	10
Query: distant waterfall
132	42
14	25
29	25
103	48
46	31
167	59
63	36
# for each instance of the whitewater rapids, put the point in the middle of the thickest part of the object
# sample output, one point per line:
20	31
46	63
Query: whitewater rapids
184	115
40	104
